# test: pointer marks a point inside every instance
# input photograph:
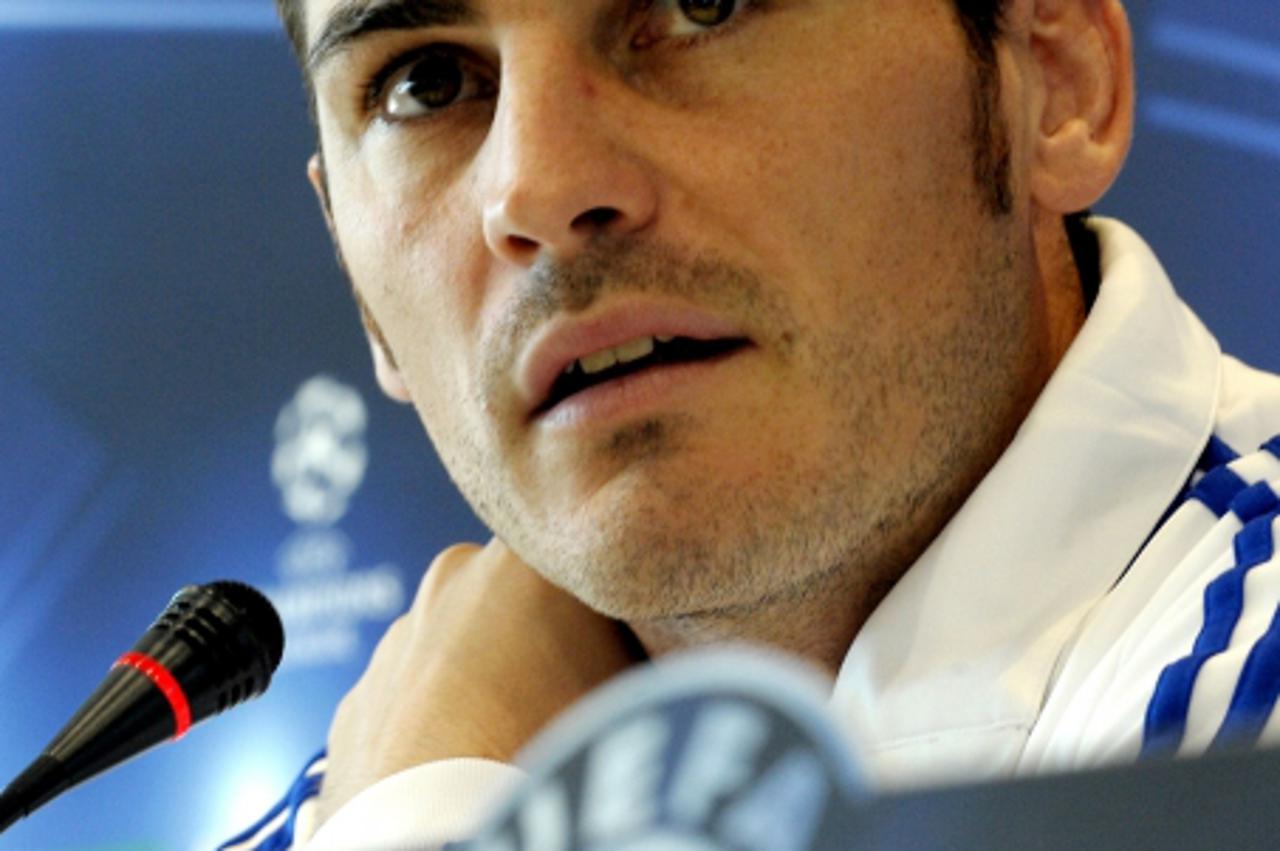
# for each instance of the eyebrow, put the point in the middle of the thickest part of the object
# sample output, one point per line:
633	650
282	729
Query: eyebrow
355	19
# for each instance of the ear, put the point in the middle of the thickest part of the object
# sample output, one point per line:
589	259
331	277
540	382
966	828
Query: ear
389	377
1084	51
384	365
320	185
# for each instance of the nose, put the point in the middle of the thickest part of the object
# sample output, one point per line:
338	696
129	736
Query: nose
559	170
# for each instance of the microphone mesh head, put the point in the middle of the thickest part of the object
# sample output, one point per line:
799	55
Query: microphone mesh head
260	616
221	641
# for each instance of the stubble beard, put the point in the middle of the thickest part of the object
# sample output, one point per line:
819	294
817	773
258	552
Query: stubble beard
823	519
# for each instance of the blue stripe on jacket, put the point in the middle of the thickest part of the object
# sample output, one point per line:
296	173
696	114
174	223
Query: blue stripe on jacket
303	789
1257	506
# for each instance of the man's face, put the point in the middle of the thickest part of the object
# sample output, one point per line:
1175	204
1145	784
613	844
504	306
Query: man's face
777	196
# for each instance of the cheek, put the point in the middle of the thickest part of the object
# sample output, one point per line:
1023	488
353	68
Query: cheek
852	165
407	255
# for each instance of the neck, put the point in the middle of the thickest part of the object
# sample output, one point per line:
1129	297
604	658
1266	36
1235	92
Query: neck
1065	306
817	622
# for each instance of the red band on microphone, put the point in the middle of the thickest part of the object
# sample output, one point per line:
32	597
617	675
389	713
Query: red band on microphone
168	685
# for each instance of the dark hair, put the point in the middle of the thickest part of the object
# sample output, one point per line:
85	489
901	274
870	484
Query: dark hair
295	26
982	21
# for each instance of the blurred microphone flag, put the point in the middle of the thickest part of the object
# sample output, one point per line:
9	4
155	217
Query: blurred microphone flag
725	749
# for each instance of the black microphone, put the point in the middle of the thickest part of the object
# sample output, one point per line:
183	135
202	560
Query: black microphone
214	647
730	748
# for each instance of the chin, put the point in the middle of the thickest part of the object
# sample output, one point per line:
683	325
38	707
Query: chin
655	575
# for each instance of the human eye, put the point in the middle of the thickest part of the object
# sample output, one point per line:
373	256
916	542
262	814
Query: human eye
424	82
687	21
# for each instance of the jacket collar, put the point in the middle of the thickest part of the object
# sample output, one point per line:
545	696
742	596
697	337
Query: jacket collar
949	673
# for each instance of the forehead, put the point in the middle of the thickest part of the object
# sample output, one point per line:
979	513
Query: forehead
334	25
320	14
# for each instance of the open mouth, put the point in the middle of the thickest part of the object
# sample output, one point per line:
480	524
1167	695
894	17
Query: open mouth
601	368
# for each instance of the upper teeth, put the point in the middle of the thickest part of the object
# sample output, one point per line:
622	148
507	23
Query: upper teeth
626	353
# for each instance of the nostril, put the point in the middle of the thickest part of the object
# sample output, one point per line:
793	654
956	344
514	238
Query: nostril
522	245
597	218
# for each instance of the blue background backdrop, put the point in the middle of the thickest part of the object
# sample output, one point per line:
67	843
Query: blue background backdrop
166	286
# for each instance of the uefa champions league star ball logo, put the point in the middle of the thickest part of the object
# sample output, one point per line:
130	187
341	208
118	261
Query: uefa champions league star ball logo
323	595
320	457
732	749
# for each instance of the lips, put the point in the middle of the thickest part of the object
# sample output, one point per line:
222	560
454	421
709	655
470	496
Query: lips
571	354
